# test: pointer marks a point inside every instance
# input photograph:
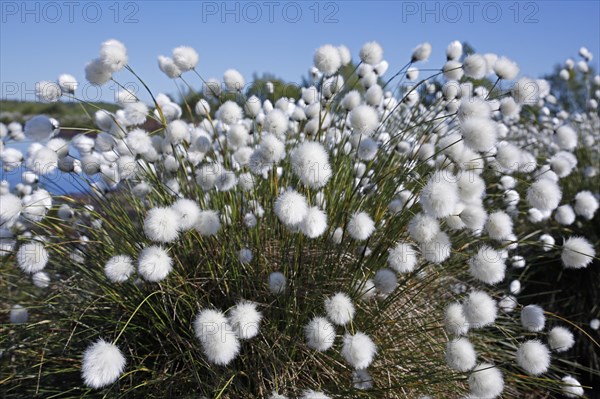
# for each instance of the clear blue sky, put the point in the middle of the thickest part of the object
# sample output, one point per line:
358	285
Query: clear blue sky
40	40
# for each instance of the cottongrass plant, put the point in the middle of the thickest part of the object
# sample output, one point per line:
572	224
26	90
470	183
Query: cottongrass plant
355	242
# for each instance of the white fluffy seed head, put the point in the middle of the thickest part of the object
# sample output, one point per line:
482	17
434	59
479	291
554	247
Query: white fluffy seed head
154	263
10	209
487	265
455	321
119	268
475	66
532	318
371	53
186	58
18	314
234	81
327	59
440	195
360	226
97	73
276	122
187	211
460	355
480	309
319	334
423	228
277	283
437	249
340	309
310	162
229	112
421	52
102	364
113	54
291	208
544	194
385	281
499	225
177	131
364	119
40	128
566	138
245	320
48	92
314	223
564	215
454	50
586	204
40	279
560	339
32	257
402	258
486	381
310	394
533	357
162	224
577	253
67	83
359	350
219	341
479	133
208	223
506	68
526	91
571	388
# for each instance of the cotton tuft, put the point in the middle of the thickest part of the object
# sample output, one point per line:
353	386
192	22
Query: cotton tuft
423	228
360	226
102	364
533	318
371	53
319	334
340	309
208	223
291	208
364	119
440	195
480	309
154	264
586	204
544	194
310	162
499	225
187	213
571	388
314	223
455	321
119	268
402	258
162	225
219	341
245	320
487	266
560	339
358	350
327	59
32	257
486	381
186	58
277	283
460	355
577	253
533	357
